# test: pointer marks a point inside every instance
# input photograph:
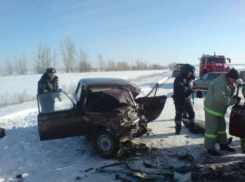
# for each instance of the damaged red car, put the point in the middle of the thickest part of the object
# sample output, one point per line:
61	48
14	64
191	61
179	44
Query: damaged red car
105	110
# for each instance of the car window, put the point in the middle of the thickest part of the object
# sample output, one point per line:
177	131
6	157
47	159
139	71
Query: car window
218	74
205	76
55	101
242	75
211	76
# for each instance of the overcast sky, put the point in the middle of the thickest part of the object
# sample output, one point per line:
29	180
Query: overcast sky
156	31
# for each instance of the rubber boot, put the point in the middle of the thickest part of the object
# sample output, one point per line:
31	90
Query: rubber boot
213	152
192	128
177	129
226	147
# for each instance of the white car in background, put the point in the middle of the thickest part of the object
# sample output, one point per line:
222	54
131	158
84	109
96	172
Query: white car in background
206	79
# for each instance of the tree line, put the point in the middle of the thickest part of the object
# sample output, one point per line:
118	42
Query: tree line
73	60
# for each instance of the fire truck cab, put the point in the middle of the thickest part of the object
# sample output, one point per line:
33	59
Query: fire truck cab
213	63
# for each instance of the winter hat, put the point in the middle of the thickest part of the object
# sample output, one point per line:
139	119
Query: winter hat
50	70
233	73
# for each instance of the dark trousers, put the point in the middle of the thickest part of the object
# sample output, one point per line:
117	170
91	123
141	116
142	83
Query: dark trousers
182	105
47	105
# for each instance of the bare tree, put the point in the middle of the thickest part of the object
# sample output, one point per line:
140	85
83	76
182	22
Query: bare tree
101	62
111	65
48	56
139	65
83	64
122	66
9	67
68	54
156	67
21	65
43	58
172	65
55	58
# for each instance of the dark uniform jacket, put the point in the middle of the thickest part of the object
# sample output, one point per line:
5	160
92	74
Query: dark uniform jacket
45	84
182	87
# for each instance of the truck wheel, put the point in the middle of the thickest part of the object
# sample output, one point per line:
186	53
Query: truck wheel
105	145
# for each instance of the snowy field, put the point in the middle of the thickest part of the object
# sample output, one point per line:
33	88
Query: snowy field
25	158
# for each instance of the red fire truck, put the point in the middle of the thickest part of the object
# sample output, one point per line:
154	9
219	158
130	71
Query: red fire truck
213	63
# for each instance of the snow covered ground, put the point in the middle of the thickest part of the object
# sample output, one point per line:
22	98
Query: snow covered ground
25	158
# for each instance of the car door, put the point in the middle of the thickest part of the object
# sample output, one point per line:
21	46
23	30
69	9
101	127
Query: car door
237	116
154	105
62	120
237	121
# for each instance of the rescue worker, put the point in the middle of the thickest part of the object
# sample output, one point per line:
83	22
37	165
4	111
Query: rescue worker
48	83
183	88
219	97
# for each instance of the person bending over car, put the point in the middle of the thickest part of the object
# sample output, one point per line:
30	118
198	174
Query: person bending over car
48	83
183	88
220	96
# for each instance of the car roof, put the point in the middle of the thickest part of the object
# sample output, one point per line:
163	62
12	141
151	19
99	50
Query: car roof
105	82
109	82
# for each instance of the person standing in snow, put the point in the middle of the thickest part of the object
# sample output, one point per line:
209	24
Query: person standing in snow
183	88
48	83
220	96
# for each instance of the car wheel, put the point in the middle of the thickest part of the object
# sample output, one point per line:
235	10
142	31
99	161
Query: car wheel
105	145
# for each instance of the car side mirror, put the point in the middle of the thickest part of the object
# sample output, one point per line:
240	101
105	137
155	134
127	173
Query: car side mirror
75	112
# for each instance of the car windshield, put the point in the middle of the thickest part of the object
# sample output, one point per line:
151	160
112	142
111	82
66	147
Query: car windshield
56	101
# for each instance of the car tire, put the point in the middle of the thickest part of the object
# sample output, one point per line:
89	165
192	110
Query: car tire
105	144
